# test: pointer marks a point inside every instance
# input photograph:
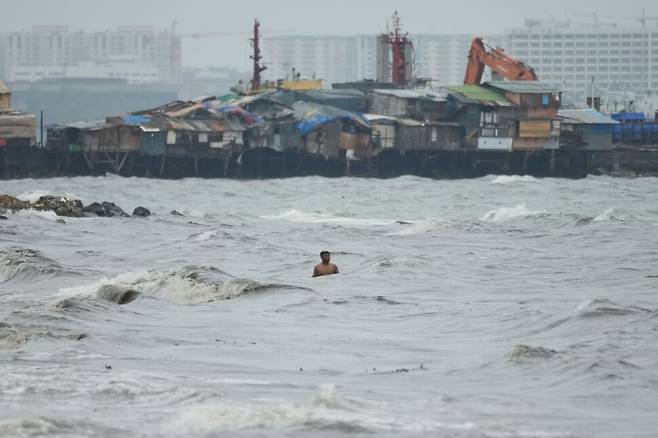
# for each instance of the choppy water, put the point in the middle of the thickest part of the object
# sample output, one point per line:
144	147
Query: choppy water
498	307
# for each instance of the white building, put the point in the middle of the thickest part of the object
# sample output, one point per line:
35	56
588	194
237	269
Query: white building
331	58
616	62
442	58
137	53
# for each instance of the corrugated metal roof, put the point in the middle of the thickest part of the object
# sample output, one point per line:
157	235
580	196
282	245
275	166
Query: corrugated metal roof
87	125
585	116
435	95
3	88
523	87
480	94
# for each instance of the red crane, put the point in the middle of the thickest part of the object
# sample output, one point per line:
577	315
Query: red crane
483	54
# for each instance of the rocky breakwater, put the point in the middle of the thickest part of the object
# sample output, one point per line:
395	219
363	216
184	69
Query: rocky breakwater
66	207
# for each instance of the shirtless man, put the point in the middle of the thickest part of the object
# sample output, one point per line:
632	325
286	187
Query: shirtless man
325	268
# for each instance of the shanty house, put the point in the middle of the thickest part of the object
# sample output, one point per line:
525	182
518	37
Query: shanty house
413	135
332	132
534	113
479	110
5	97
586	129
16	127
418	104
508	115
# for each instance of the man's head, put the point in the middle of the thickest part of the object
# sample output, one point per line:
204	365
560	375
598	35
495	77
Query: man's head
325	256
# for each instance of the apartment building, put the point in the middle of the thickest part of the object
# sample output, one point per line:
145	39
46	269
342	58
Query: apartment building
139	54
609	61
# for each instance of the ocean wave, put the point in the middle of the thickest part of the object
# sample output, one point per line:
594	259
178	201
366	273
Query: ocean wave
322	218
613	215
325	411
43	426
505	214
190	285
513	179
25	264
603	307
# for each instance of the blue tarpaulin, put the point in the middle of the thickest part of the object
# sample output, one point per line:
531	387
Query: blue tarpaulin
628	117
310	116
135	120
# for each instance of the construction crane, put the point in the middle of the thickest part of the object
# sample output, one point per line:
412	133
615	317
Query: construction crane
483	54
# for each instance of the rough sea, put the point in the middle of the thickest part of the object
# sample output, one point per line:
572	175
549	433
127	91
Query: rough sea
495	307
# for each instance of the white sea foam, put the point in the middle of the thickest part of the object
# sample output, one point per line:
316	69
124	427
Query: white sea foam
611	215
513	179
41	214
33	195
505	214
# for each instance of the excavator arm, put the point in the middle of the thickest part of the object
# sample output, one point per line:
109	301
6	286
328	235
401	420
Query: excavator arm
483	55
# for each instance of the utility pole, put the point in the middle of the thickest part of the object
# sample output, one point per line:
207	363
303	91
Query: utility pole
256	58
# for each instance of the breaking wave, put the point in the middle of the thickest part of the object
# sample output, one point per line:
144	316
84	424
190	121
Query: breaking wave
505	214
190	285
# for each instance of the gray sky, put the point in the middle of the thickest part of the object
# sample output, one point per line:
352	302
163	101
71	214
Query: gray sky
337	17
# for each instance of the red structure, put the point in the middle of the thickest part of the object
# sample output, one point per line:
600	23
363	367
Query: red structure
401	47
257	58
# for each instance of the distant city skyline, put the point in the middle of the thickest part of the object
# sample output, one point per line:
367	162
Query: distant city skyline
340	17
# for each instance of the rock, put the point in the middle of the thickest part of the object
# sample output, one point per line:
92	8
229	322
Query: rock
176	213
3	218
60	205
141	212
105	209
93	209
61	221
3	210
10	203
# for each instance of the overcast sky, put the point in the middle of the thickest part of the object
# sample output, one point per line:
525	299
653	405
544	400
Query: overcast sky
336	17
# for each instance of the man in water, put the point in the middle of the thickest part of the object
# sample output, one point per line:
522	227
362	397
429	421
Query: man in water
325	268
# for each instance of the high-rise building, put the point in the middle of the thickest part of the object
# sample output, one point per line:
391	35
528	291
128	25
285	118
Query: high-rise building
608	61
139	54
331	58
441	58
